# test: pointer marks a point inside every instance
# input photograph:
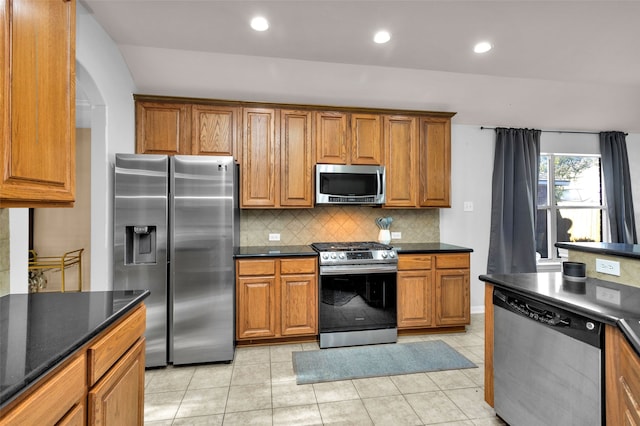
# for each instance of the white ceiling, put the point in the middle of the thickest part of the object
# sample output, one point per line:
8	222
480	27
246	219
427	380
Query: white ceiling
573	65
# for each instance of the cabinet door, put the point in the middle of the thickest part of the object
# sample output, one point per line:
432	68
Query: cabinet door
452	297
435	162
401	160
415	299
37	99
118	398
257	307
259	173
299	304
214	130
366	140
296	159
163	128
331	137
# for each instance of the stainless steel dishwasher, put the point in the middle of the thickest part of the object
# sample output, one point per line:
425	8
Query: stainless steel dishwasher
547	364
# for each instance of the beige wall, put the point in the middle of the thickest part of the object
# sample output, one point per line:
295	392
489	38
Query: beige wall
60	230
4	251
335	223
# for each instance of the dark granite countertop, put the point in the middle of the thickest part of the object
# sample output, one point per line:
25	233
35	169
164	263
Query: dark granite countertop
631	329
600	300
283	251
39	331
274	251
408	248
612	249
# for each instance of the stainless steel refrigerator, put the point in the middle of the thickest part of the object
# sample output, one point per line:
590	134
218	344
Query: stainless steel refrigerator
176	225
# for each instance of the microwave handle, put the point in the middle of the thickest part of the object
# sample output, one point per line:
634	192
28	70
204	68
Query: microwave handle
380	182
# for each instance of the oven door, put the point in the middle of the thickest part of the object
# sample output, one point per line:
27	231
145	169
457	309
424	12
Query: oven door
354	298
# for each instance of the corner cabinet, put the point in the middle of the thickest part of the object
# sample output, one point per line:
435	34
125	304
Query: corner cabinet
37	93
101	384
276	298
433	290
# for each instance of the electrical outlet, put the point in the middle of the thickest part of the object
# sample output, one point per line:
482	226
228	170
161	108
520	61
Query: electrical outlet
396	235
274	237
468	206
610	267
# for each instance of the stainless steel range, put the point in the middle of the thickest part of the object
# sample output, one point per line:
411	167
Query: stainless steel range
357	293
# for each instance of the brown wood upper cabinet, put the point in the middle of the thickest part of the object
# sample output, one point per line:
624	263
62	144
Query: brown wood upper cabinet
163	128
175	128
348	138
37	98
418	161
213	129
277	159
296	159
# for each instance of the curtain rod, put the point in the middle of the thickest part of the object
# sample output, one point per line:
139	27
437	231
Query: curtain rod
553	131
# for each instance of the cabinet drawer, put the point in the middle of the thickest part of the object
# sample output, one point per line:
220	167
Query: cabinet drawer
256	267
53	399
413	262
298	266
452	261
106	351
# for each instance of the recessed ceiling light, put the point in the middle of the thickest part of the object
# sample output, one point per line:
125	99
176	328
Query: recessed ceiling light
259	23
382	37
482	47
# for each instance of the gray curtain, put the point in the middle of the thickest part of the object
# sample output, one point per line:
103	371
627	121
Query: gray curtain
512	244
617	183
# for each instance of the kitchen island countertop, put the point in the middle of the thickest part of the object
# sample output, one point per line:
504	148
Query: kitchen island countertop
611	303
613	249
39	331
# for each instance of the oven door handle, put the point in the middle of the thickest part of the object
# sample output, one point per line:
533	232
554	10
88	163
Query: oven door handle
359	269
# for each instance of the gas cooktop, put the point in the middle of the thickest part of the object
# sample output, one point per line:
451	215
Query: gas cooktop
354	253
350	246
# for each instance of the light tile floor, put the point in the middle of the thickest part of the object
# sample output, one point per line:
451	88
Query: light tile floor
259	388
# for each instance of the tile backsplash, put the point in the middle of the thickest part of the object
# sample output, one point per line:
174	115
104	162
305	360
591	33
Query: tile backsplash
335	223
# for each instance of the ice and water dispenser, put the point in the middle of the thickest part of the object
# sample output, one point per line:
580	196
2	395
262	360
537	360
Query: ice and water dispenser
140	248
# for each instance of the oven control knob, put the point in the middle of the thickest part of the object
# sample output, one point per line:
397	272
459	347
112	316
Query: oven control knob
325	256
341	256
384	254
333	255
392	254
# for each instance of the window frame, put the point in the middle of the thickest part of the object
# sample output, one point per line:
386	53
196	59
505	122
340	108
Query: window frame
551	208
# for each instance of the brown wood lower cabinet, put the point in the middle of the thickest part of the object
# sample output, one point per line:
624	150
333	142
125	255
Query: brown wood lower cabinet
108	390
433	290
622	379
276	298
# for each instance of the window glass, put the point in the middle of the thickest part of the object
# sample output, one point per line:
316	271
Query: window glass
576	212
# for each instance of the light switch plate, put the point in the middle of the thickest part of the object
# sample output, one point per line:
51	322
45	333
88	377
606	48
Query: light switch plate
468	206
274	237
610	267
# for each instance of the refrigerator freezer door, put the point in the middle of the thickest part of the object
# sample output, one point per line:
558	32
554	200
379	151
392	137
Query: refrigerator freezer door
140	241
202	266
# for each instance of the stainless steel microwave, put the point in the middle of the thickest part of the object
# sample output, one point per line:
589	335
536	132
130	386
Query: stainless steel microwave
340	184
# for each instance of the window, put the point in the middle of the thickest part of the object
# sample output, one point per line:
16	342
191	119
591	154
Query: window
570	202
